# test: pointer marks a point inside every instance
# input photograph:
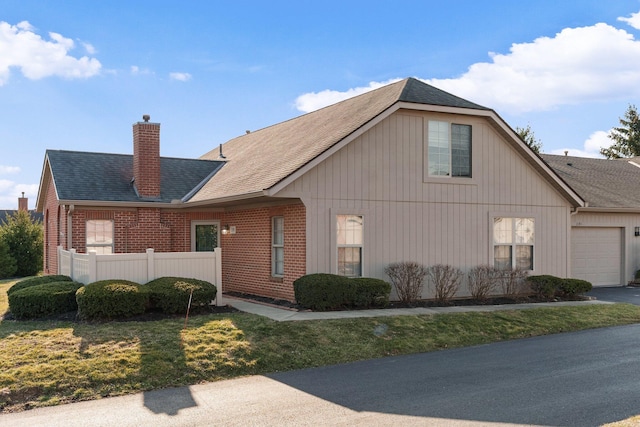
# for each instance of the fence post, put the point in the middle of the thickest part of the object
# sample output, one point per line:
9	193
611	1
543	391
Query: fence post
59	254
218	272
93	267
151	268
72	268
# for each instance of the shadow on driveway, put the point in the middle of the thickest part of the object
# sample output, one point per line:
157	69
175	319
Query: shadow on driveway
628	294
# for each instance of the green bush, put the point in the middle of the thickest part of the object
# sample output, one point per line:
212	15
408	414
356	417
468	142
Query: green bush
323	291
111	299
8	265
370	292
171	294
44	300
544	286
24	237
36	281
573	287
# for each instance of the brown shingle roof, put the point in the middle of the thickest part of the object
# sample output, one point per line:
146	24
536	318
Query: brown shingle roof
259	160
602	183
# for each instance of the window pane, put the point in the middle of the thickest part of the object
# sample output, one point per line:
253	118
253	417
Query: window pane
349	262
438	148
206	237
460	150
524	230
524	257
349	229
278	230
502	230
278	261
502	257
99	231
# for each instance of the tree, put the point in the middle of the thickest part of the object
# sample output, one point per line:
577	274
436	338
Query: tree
24	237
529	138
626	138
8	264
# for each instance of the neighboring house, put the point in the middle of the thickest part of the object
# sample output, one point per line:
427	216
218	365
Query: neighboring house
406	172
23	205
605	234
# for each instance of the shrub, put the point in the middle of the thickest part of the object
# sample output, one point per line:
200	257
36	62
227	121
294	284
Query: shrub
370	292
512	282
445	280
544	286
323	291
24	237
111	299
171	294
44	300
482	281
408	279
8	265
38	280
573	287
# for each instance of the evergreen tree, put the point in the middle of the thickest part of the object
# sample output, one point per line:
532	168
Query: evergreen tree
24	237
8	264
626	138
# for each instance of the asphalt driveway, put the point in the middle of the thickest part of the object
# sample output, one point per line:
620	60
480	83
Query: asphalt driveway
628	294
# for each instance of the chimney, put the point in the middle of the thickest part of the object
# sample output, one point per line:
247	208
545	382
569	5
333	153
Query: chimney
23	203
146	158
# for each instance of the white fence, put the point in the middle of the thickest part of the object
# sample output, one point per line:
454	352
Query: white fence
142	268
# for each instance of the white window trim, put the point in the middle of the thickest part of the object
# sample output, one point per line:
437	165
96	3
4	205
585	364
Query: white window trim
111	245
364	213
194	223
536	233
275	246
461	180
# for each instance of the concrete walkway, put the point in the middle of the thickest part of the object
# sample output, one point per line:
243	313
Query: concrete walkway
280	314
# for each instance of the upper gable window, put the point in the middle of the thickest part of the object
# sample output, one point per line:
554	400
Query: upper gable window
449	150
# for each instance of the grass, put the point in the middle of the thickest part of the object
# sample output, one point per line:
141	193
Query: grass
51	362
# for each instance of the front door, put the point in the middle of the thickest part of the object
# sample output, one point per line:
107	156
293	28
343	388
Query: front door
204	235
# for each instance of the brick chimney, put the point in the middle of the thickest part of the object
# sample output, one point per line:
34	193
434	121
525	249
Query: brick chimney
23	203
146	158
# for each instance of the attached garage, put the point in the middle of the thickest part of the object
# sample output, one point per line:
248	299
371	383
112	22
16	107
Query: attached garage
597	255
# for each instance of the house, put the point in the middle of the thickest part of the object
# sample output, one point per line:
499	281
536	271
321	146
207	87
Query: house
605	233
23	205
404	172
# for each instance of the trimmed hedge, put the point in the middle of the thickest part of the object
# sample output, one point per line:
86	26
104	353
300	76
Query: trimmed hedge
544	286
38	280
323	292
573	287
171	294
111	299
44	300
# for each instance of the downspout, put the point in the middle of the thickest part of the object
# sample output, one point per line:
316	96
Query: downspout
70	227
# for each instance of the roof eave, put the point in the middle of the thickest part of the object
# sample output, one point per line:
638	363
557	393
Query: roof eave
609	209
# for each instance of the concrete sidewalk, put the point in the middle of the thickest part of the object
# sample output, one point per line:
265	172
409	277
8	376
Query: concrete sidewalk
286	315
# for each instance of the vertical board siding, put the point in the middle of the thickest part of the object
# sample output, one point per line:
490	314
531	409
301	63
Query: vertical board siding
409	218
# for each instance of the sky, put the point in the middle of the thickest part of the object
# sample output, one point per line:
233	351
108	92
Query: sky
75	75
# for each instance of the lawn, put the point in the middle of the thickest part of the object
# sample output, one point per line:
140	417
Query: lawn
51	362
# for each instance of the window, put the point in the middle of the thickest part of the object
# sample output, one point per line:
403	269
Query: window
349	241
204	235
277	246
449	149
100	236
513	240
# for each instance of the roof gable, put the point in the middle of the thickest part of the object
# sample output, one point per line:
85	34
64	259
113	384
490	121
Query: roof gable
82	176
259	160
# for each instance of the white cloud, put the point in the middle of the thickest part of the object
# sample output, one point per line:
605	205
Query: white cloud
633	20
10	191
592	146
137	71
585	64
91	50
182	77
21	47
316	100
5	170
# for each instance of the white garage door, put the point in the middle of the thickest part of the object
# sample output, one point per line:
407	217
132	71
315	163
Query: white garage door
596	255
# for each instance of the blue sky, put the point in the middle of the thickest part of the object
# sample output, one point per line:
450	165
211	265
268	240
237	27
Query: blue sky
75	75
